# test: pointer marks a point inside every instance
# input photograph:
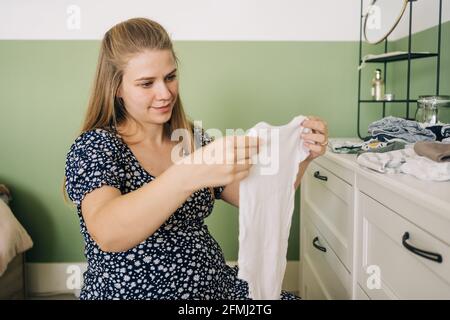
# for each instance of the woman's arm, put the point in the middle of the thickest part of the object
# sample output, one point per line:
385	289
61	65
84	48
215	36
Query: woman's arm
301	171
230	194
118	222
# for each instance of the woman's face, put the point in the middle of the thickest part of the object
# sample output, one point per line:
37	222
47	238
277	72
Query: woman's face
149	83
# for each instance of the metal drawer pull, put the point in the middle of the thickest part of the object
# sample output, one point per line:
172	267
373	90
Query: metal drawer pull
318	176
426	254
316	239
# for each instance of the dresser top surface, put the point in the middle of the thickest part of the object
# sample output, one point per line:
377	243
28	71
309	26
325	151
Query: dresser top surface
436	194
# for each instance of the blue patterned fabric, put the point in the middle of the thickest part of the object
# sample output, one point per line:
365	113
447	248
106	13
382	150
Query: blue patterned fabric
181	260
397	128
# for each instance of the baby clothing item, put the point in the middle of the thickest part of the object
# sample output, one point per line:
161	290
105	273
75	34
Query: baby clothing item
435	151
441	130
392	127
371	145
382	147
388	162
426	169
406	161
266	203
445	131
339	146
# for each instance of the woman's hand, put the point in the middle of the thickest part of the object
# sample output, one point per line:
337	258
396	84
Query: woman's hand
221	162
317	140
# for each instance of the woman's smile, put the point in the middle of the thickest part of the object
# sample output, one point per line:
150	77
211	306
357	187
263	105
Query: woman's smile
162	109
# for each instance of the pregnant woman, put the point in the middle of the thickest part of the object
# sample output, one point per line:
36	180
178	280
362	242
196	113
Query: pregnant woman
142	213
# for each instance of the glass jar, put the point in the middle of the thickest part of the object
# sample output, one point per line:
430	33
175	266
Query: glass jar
428	107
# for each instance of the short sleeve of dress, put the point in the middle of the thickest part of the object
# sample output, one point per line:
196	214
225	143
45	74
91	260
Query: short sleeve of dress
202	137
92	162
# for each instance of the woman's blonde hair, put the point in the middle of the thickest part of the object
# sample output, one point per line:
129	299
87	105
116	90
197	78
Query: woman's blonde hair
119	44
124	40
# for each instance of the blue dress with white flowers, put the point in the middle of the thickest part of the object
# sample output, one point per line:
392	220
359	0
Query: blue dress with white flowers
181	260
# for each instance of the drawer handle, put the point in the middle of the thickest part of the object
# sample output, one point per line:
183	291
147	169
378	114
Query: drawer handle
316	239
426	254
318	176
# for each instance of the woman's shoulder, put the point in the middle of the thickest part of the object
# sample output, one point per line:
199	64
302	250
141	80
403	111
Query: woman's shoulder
97	139
96	135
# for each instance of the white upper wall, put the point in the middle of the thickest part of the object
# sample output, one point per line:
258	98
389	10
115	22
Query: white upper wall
295	20
425	15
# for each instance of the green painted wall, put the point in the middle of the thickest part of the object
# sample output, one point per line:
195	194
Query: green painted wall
423	74
423	71
44	88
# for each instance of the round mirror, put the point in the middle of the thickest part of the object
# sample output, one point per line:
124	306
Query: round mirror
381	17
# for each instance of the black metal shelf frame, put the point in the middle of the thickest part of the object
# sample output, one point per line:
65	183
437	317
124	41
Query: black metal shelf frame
401	57
405	57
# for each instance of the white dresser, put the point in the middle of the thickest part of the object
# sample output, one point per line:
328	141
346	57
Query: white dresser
364	235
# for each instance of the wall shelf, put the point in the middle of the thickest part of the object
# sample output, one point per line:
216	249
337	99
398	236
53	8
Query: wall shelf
388	57
387	101
401	57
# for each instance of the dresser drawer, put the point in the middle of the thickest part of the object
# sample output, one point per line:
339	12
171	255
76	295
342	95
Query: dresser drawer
324	276
424	203
383	254
348	175
328	200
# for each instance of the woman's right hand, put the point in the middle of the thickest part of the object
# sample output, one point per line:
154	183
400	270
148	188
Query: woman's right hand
221	162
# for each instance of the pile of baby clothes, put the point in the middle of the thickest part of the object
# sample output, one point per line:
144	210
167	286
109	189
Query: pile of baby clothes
397	145
410	131
347	146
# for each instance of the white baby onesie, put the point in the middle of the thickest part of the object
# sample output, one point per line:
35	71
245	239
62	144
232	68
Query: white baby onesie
266	203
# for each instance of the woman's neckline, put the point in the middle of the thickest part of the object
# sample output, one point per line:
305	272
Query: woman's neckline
133	156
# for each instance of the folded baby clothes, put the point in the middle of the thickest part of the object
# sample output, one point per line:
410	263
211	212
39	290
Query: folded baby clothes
393	127
406	161
388	162
373	144
436	151
266	204
426	169
383	147
340	146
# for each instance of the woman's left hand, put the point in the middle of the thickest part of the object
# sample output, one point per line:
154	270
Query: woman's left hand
317	140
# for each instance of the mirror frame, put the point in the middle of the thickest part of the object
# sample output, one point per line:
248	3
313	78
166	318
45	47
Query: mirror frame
402	11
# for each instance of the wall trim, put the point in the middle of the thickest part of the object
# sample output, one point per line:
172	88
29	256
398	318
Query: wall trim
48	279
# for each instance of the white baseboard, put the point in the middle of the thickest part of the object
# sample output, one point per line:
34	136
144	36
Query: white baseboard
46	279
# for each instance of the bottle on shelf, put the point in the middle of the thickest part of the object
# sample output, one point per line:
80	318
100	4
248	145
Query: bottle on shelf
377	86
